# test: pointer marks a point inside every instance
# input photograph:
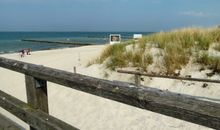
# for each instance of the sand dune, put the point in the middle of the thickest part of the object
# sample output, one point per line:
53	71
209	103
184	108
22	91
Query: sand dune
89	112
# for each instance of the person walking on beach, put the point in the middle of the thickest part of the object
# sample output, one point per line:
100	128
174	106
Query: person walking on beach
22	53
28	51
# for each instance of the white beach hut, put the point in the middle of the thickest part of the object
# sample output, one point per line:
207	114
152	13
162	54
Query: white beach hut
114	38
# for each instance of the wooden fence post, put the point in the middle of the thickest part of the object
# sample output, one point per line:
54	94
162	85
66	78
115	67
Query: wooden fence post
137	79
74	69
36	90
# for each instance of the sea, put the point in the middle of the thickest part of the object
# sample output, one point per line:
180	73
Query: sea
11	42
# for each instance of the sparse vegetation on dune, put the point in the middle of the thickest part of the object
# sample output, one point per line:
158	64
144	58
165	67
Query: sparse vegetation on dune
178	47
175	57
212	62
217	47
188	37
117	56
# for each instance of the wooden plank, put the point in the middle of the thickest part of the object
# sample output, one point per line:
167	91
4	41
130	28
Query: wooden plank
7	124
169	77
36	118
164	102
36	90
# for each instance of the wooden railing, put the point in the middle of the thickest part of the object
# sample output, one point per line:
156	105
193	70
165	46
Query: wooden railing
179	106
139	74
36	118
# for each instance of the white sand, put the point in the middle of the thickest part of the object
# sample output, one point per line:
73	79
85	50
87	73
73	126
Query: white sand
89	112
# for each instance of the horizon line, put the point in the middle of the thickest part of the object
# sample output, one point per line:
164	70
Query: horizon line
83	31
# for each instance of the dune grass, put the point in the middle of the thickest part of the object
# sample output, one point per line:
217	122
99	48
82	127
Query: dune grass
178	47
217	47
212	62
175	57
187	37
116	56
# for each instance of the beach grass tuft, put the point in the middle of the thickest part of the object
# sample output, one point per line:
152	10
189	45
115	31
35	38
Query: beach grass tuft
187	37
175	57
212	62
217	47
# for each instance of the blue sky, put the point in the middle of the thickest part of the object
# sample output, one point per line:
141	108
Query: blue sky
107	15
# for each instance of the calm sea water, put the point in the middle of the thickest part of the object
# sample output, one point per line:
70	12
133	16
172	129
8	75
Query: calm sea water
10	42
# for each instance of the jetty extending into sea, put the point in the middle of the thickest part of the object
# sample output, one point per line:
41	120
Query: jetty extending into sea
58	42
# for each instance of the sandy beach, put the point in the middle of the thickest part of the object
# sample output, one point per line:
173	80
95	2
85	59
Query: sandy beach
88	112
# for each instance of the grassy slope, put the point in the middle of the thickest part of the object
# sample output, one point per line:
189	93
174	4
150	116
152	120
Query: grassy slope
178	47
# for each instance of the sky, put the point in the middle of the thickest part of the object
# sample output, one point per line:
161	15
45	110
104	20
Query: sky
107	15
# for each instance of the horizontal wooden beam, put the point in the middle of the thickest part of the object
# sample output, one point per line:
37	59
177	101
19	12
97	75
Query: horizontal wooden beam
164	102
35	118
7	124
168	77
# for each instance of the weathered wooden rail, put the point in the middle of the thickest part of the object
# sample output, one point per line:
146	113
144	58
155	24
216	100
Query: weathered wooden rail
36	118
7	124
138	74
179	106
